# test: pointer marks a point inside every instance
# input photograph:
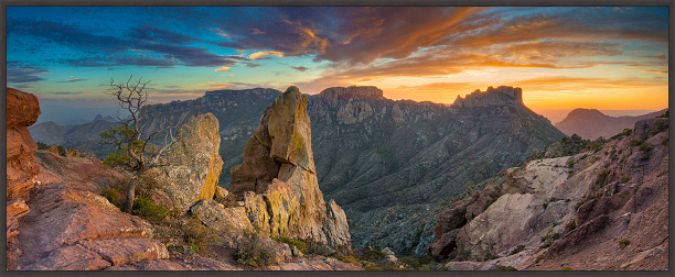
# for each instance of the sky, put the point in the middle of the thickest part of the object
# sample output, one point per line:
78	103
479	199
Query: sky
608	58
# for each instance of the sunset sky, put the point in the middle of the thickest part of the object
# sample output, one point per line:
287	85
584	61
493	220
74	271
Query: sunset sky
609	58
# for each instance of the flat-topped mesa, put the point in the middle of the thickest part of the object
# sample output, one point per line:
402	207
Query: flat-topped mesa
352	92
277	180
501	96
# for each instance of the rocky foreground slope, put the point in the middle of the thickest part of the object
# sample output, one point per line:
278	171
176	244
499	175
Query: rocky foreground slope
604	208
64	214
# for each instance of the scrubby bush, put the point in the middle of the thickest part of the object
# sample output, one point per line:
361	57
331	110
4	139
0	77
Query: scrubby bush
146	208
351	259
603	177
659	126
198	236
548	239
252	251
506	268
42	146
623	243
299	244
571	225
114	195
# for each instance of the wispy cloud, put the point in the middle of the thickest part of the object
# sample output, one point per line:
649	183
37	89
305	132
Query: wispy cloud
264	54
72	79
18	73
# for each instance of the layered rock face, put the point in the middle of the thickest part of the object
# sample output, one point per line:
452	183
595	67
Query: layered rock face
190	167
277	179
601	209
23	110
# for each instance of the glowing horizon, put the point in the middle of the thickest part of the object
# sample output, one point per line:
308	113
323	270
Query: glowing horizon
606	58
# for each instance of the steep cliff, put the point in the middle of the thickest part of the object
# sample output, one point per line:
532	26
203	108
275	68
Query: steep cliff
603	208
277	179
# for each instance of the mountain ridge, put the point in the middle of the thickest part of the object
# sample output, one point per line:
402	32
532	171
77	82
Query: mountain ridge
386	162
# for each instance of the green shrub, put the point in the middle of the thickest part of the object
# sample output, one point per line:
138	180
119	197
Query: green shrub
299	244
114	196
148	209
625	179
548	239
351	259
571	225
198	236
252	251
603	177
623	243
506	268
659	126
570	163
646	147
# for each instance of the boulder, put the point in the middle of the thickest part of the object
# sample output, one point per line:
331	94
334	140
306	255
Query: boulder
190	167
277	179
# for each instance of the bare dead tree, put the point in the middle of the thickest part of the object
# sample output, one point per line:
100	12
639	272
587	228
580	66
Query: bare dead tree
132	145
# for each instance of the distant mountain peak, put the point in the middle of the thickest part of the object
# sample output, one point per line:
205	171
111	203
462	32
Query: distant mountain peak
586	113
352	92
592	123
500	96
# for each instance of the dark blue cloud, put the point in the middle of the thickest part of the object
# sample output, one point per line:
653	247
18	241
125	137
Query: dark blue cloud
160	48
20	73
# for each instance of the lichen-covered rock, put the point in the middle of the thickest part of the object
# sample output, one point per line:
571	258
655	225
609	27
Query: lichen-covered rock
278	184
190	168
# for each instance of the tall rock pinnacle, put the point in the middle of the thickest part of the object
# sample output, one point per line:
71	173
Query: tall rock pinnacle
278	183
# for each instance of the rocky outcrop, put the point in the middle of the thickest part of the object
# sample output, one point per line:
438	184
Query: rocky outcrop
278	184
584	211
592	124
190	167
22	110
501	96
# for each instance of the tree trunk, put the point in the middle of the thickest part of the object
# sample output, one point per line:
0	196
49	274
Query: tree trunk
131	195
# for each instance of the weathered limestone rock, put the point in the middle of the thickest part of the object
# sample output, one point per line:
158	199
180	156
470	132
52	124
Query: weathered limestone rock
190	167
278	184
23	110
